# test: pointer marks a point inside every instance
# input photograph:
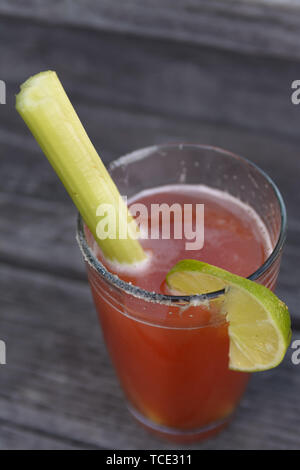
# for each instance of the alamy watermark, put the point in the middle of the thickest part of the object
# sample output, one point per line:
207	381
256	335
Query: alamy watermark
2	92
295	96
2	353
296	354
157	221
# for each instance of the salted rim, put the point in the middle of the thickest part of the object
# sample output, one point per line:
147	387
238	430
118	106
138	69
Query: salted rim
148	296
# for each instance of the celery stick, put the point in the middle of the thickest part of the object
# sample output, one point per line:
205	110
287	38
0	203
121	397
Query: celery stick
49	114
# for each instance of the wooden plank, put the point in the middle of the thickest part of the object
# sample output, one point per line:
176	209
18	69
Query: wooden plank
266	27
24	170
13	437
58	382
40	235
173	81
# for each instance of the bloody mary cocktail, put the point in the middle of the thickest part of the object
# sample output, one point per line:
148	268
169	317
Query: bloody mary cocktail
171	356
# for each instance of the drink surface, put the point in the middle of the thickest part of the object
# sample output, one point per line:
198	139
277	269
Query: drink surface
234	236
173	362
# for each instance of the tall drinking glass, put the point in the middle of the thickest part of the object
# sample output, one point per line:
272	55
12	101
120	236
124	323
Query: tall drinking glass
175	376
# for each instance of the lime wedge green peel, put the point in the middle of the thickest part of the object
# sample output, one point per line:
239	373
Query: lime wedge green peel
49	114
259	322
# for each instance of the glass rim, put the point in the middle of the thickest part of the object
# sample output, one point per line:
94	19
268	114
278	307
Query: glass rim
169	299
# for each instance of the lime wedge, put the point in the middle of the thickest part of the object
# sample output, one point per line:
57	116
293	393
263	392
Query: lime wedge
259	322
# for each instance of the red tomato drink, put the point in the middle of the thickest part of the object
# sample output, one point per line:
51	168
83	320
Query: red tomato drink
172	361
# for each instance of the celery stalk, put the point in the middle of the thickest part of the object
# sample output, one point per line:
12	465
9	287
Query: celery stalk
49	114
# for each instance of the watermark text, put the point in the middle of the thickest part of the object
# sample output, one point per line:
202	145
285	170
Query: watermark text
2	92
155	221
296	354
2	353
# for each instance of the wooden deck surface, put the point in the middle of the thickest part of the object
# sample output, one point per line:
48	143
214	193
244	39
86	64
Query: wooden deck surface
58	389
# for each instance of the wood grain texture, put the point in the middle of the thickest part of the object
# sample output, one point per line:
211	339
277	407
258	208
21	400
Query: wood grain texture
156	77
264	27
15	437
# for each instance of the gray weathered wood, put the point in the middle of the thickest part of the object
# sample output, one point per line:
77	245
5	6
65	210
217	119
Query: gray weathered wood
148	95
20	437
172	80
265	27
